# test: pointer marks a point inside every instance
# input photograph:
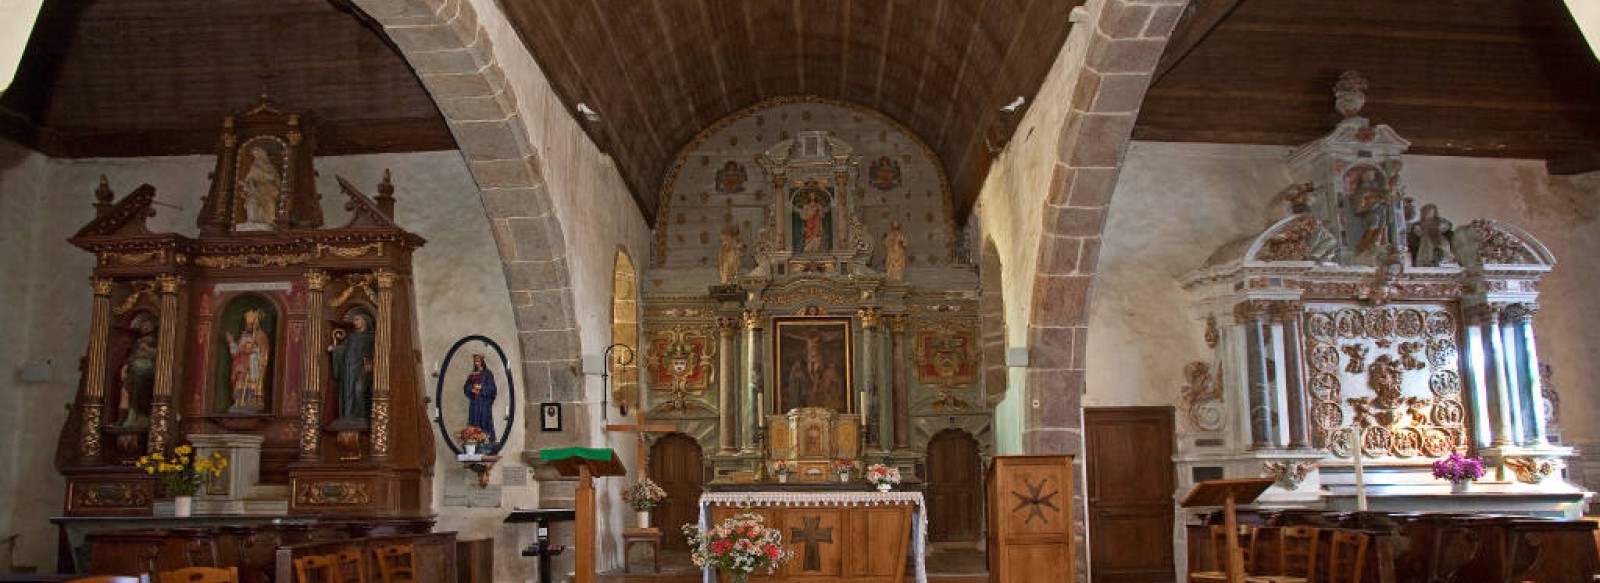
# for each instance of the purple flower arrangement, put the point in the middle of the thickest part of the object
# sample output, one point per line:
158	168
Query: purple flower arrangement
1458	468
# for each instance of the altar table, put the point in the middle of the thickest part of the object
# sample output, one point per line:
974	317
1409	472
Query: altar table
857	537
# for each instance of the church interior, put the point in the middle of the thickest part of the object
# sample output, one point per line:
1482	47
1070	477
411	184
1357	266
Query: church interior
904	290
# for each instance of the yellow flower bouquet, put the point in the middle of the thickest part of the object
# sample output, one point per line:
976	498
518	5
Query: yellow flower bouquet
183	472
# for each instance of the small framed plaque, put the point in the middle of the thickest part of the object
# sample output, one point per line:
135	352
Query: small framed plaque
550	417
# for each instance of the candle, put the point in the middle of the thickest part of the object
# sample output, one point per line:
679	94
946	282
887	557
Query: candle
1361	487
863	395
761	410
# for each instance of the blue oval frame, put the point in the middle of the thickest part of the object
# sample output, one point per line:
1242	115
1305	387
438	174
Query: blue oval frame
438	393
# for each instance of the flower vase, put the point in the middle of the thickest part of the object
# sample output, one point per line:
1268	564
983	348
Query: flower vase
884	487
182	506
472	449
738	576
1460	486
644	518
844	478
783	478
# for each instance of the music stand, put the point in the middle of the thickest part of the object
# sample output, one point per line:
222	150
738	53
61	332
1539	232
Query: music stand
1227	493
587	464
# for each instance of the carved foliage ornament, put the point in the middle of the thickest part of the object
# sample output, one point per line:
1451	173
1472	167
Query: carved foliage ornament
1531	470
1202	396
333	494
1302	239
1288	474
107	495
1500	247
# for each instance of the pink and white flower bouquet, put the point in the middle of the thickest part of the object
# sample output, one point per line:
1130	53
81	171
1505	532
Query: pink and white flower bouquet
881	475
738	546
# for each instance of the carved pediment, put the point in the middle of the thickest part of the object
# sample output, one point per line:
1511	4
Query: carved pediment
126	217
1488	242
364	210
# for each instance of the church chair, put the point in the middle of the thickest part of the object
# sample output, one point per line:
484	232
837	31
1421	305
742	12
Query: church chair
200	575
1347	556
1219	550
315	569
351	566
112	579
395	564
1297	556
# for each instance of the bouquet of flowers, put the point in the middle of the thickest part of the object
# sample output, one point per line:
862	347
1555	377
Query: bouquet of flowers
643	494
472	435
882	475
183	472
738	546
781	468
1458	468
843	467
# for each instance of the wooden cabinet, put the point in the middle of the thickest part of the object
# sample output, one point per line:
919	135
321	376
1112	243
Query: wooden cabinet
1030	520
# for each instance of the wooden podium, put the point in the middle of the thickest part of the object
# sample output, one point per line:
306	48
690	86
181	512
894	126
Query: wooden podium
587	464
1228	493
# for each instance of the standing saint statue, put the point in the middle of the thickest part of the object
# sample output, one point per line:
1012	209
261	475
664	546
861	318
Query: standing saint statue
1375	205
730	256
251	351
260	187
894	252
1431	239
352	368
138	373
480	392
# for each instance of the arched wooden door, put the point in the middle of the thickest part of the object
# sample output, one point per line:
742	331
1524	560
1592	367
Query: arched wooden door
675	464
955	487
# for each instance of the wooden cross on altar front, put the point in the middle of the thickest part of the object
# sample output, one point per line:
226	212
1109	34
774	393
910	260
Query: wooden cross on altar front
644	431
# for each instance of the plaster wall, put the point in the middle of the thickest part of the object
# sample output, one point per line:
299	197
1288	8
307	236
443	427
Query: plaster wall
1176	203
1009	207
460	285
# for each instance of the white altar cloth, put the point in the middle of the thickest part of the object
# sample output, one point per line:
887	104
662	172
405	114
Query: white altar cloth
919	516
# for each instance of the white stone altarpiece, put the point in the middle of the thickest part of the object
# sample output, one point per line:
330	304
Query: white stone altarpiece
1362	337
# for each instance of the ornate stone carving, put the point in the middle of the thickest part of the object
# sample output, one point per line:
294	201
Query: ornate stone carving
350	252
141	289
1350	93
333	493
682	361
1531	470
380	427
1288	474
1212	335
254	260
1202	396
1358	357
1497	246
124	494
1302	239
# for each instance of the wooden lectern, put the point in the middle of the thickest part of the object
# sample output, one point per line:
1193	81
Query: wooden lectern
1227	493
587	464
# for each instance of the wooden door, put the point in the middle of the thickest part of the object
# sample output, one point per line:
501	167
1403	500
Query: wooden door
1128	454
675	465
955	487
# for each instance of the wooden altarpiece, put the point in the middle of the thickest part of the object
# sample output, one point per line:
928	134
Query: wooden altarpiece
241	331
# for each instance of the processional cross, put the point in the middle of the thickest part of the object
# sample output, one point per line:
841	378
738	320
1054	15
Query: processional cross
644	430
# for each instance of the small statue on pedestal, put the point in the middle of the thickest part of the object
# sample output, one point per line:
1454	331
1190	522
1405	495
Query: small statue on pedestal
730	256
894	253
1430	239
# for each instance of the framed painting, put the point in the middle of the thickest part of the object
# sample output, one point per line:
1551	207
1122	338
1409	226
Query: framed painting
812	363
475	390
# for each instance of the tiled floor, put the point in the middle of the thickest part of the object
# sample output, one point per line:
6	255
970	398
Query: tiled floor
944	566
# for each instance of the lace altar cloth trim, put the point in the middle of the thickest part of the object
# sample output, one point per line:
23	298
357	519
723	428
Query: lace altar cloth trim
919	516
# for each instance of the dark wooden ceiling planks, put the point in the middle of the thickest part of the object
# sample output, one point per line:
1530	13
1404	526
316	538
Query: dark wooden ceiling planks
661	71
1456	77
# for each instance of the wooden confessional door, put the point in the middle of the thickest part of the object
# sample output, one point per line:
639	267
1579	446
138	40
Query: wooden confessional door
1130	475
675	464
955	487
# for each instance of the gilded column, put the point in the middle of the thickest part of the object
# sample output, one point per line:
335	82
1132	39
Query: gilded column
95	384
900	420
726	372
161	414
380	362
311	394
1533	389
1253	314
868	391
1287	314
752	379
1495	376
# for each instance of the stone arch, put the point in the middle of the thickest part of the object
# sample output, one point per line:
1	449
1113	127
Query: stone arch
625	330
453	58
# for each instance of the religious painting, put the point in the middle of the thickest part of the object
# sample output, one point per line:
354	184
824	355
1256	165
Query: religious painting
812	363
260	174
730	179
244	365
884	173
811	219
476	395
680	361
947	355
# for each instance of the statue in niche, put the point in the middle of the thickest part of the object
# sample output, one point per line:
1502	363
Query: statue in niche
138	373
1430	238
480	391
250	351
730	256
813	220
259	188
1374	205
894	253
352	368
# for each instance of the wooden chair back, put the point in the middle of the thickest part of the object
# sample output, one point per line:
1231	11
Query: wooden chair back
351	566
1247	543
112	579
200	575
395	564
1347	556
316	569
1297	551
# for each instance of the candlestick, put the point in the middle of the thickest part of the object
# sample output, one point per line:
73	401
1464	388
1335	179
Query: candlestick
863	395
761	410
